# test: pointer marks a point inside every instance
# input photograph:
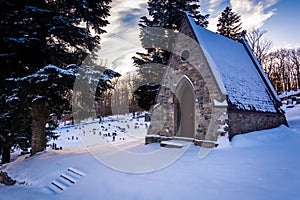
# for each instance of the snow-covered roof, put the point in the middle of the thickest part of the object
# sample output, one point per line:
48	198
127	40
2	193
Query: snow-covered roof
244	85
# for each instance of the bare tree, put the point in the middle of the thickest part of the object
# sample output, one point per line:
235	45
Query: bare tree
295	60
282	66
271	68
120	97
283	69
123	98
260	45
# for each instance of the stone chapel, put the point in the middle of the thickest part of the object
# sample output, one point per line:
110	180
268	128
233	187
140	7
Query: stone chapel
212	83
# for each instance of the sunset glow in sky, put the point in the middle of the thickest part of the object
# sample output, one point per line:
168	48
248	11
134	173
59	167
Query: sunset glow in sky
278	17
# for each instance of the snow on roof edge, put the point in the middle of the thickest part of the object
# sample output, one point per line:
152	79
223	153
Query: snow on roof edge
210	61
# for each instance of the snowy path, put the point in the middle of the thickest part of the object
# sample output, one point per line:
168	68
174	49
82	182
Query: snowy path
117	157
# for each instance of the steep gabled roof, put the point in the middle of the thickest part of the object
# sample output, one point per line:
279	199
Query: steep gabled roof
244	83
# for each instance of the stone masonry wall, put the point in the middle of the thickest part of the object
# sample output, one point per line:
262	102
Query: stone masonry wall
197	70
244	121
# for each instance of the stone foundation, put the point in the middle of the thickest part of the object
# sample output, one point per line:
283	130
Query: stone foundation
245	121
157	139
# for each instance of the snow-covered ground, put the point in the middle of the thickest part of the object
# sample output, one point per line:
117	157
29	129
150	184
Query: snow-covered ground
289	93
258	165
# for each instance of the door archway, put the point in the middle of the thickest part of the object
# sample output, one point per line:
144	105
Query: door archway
184	109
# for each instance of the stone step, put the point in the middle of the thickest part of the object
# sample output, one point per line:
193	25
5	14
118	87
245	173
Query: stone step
187	139
171	144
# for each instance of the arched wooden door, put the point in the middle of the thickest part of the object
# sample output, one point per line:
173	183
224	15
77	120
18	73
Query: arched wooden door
184	109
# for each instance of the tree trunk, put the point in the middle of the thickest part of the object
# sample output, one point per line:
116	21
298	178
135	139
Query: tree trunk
38	114
5	154
298	76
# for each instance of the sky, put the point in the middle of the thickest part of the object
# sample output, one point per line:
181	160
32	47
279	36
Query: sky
278	17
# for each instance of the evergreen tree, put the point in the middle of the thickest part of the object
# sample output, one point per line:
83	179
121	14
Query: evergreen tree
42	92
167	14
14	126
35	34
229	24
89	91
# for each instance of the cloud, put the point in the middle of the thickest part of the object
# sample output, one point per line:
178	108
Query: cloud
253	13
125	14
122	38
210	6
214	9
121	41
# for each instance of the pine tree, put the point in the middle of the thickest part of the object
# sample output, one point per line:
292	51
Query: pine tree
14	127
89	91
35	34
42	91
229	24
167	14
